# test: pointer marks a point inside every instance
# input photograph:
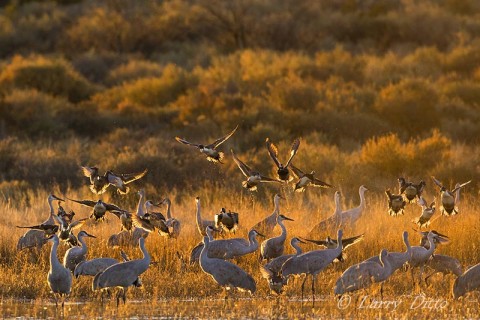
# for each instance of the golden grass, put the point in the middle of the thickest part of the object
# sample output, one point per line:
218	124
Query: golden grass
24	274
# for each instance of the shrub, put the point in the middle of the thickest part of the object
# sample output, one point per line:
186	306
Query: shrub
134	70
405	103
52	76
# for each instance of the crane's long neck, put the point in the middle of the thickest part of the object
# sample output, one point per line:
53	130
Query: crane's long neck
387	267
283	235
146	256
339	247
51	219
297	248
407	253
432	246
204	254
198	215
362	198
54	263
169	203
338	204
141	203
457	196
252	241
84	248
276	204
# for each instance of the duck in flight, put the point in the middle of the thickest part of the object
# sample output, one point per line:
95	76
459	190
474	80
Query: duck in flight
253	177
283	172
210	150
99	183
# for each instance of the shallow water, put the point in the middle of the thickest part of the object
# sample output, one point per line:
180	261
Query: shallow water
247	308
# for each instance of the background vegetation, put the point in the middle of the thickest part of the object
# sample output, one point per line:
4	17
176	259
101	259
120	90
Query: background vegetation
374	89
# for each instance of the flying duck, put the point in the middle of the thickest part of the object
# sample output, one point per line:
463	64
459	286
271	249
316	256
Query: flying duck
307	179
253	177
99	184
396	203
210	149
283	173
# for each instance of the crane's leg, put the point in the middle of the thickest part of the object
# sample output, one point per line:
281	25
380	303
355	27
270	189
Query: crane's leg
303	286
313	291
413	278
118	298
124	297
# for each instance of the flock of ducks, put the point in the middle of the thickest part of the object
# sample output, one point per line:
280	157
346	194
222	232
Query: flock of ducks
214	252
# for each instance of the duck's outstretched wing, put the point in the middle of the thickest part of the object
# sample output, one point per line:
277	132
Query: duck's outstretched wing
293	151
273	152
221	140
187	142
246	170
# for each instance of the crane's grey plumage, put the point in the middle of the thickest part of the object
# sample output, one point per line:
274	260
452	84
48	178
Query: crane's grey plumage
59	278
332	222
94	266
227	248
449	198
267	225
312	262
396	203
274	247
443	264
363	275
397	259
225	273
126	238
75	255
228	221
36	238
420	256
272	271
469	281
124	274
254	178
349	217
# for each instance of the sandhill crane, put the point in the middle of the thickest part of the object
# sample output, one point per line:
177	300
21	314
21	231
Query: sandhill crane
427	212
397	259
396	203
99	184
210	150
99	208
420	256
172	224
201	223
331	243
363	275
329	223
312	262
352	215
307	179
448	198
35	238
267	225
126	238
228	221
59	278
94	266
283	172
410	189
469	281
124	274
225	273
227	248
443	264
274	247
272	271
75	255
253	177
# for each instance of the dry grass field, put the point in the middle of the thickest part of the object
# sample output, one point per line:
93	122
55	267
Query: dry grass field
170	281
